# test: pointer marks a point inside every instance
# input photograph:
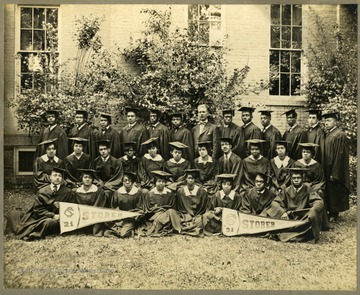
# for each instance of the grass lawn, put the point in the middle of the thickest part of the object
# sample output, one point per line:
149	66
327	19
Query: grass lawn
181	262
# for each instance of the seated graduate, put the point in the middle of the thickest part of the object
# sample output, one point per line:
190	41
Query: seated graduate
279	165
208	167
149	162
75	161
253	164
227	197
109	170
159	206
192	202
130	161
42	219
127	198
298	201
257	199
177	164
229	162
44	164
89	194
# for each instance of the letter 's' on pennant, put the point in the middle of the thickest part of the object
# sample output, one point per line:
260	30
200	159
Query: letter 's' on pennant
74	216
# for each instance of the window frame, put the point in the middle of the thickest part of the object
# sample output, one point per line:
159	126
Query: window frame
17	150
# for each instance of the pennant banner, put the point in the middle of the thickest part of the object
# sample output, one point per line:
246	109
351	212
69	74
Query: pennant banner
235	223
74	216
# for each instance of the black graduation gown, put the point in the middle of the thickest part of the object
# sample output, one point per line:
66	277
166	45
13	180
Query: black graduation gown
235	167
237	136
72	164
256	203
184	136
294	137
336	163
88	133
147	165
137	133
42	169
114	137
317	135
269	147
163	133
131	165
61	143
251	131
279	175
176	169
250	168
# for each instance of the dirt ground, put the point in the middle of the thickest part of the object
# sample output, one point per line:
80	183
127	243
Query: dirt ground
181	262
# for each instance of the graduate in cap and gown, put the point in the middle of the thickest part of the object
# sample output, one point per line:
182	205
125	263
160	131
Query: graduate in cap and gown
192	202
177	165
53	130
44	164
75	161
294	134
82	129
181	134
106	132
130	161
42	219
226	197
316	134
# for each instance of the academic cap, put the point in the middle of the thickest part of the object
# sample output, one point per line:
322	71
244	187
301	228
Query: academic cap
264	175
255	141
106	116
177	115
265	112
229	111
151	141
296	170
104	142
90	172
132	109
247	109
47	142
193	172
157	112
132	175
290	112
53	112
178	145
161	174
225	176
308	146
282	142
78	140
204	144
128	145
82	112
331	115
58	170
226	139
314	112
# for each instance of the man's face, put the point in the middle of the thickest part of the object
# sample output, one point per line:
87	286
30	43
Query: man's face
265	120
202	113
281	151
127	182
87	179
225	147
176	121
152	151
104	151
227	119
246	117
153	118
79	119
330	123
296	180
259	183
306	155
51	119
190	180
226	186
176	154
130	153
131	117
291	120
104	122
78	148
160	184
56	178
51	151
255	151
312	119
203	152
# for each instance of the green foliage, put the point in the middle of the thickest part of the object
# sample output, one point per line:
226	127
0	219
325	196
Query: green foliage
332	75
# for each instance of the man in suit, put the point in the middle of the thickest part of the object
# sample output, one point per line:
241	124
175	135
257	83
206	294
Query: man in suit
110	134
269	133
316	134
53	130
206	131
157	129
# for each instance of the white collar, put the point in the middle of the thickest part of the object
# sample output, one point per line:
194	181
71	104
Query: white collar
132	125
252	158
261	192
291	128
209	160
231	195
165	191
126	157
194	191
278	162
312	127
331	130
77	156
133	191
228	155
81	126
267	127
172	160
105	159
155	125
157	158
247	124
312	162
46	158
203	122
93	188
57	186
298	189
52	127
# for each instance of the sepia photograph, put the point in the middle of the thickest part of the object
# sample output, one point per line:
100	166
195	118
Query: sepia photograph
172	147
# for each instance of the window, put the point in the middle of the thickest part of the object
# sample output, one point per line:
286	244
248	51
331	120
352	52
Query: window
204	21
38	45
285	49
23	160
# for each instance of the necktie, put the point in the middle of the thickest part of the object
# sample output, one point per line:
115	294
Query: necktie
103	131
55	189
264	130
226	164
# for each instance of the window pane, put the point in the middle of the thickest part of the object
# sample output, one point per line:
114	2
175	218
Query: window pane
25	40
284	84
286	15
295	84
26	17
275	14
51	37
52	17
24	63
285	37
297	21
39	38
215	12
192	27
26	161
26	81
215	33
39	82
275	37
285	62
204	32
204	12
39	17
274	59
295	62
296	38
274	90
192	11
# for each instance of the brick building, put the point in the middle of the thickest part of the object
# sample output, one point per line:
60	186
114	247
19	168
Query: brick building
253	38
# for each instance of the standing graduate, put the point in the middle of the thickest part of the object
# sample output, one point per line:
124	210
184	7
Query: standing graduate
336	163
42	219
83	130
192	202
43	165
181	134
53	130
106	132
75	161
177	165
316	134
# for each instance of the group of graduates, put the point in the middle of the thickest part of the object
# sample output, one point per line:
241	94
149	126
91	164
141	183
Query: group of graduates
179	180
